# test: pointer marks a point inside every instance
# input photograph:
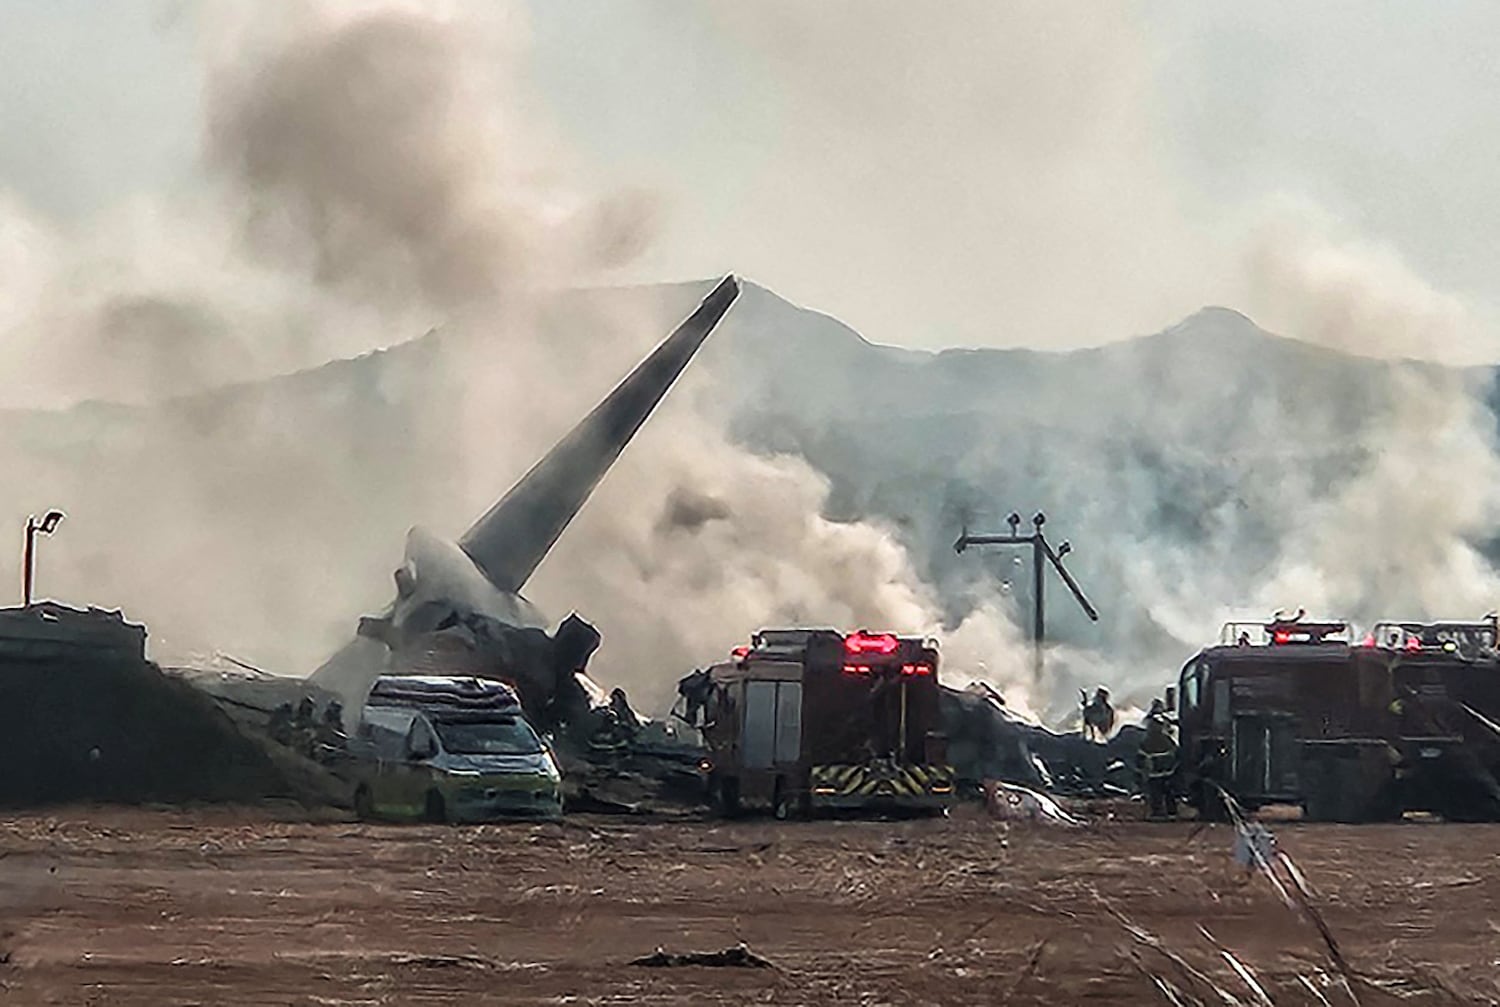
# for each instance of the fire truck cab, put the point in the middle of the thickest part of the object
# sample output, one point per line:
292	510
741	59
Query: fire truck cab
809	719
1292	712
1285	711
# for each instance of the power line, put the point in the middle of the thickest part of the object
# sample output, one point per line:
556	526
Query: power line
1040	549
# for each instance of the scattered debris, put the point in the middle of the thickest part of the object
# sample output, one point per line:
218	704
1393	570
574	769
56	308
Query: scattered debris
1463	882
1253	845
442	961
1013	803
1302	901
989	740
748	848
740	957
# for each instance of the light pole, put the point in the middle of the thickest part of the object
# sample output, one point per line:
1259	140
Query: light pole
1041	554
46	526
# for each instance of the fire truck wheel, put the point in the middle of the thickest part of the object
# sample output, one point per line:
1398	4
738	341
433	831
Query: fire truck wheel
726	796
1469	804
781	804
1211	807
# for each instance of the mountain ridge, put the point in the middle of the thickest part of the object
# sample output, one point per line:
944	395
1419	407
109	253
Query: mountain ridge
1242	333
1187	466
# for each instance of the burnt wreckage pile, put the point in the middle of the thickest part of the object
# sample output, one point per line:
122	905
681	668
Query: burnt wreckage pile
459	610
986	741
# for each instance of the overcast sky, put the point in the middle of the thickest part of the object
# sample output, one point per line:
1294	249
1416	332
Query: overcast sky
976	173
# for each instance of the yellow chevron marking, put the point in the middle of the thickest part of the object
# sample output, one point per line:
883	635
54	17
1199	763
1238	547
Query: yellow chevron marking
865	781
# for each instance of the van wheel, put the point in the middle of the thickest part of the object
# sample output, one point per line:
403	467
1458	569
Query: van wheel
364	805
436	812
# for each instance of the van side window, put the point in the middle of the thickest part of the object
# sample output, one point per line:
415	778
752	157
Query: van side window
420	737
387	730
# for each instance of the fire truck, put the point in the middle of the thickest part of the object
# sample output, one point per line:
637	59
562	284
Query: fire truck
1294	712
807	720
1445	684
1273	709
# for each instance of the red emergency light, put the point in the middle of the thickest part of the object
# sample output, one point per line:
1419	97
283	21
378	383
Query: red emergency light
740	653
871	643
1281	636
911	670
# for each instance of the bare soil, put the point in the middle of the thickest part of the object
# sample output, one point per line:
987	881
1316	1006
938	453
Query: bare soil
251	906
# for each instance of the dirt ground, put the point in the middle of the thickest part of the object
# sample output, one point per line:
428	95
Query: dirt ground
251	906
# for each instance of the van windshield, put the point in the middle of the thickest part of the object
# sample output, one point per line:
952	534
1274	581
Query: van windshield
501	736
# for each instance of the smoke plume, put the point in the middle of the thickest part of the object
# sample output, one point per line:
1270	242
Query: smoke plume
368	173
1403	533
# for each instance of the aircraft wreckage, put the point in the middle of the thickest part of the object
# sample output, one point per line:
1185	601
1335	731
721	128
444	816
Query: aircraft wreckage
134	733
459	607
459	610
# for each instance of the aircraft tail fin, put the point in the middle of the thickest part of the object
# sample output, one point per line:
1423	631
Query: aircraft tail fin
512	538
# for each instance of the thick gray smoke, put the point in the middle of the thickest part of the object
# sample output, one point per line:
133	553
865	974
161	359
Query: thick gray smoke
368	179
370	172
1403	533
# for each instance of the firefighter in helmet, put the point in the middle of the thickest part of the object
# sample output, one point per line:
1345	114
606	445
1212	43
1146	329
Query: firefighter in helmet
1156	761
1098	715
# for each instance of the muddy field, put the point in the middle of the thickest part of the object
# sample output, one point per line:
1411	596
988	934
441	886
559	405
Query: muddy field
128	906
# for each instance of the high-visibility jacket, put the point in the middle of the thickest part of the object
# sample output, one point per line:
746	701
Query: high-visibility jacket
1157	756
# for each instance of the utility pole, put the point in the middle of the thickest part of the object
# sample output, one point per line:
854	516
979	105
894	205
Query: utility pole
46	526
1041	554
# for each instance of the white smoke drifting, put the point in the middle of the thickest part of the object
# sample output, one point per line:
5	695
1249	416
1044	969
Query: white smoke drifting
370	172
1399	536
368	178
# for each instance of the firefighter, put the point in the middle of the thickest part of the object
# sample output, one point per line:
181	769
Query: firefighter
1157	763
630	724
1098	715
615	727
695	690
305	727
330	733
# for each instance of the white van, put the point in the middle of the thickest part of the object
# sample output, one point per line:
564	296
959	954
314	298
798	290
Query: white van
452	763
